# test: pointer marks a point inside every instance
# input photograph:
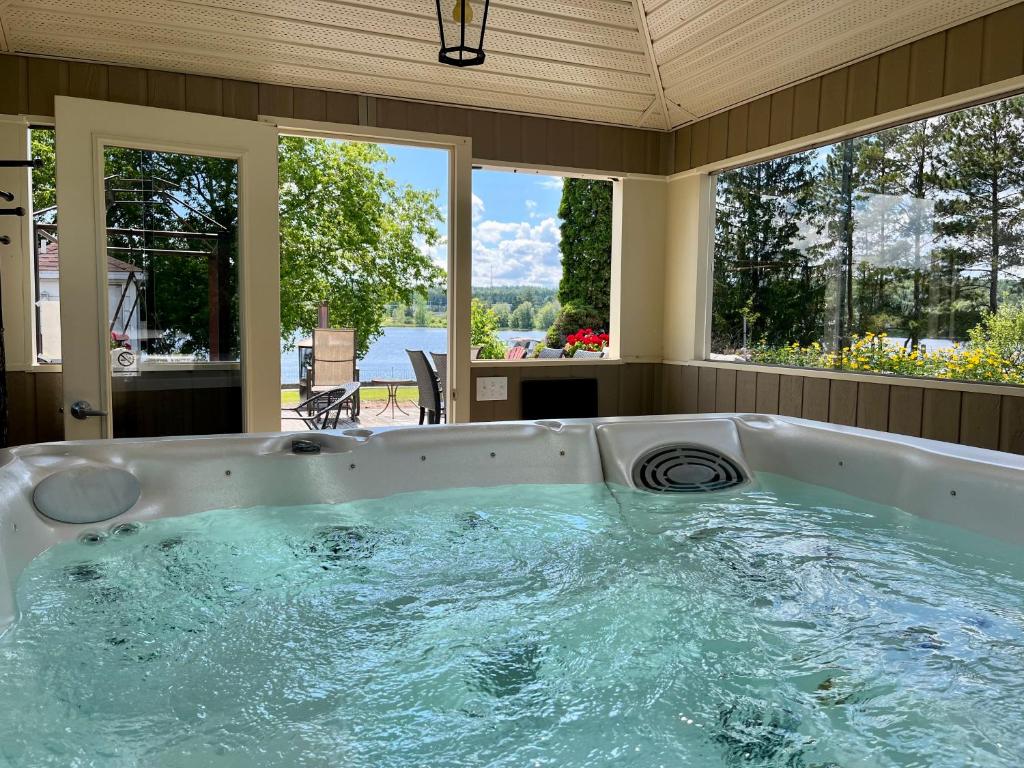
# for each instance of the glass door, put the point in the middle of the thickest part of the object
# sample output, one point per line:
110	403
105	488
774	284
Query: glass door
167	229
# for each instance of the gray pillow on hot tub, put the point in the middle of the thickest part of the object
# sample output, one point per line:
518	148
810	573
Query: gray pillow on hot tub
88	493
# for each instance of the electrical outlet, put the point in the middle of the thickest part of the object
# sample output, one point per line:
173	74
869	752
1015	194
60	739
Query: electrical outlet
492	388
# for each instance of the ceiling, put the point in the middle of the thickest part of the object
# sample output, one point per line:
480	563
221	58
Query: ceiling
646	63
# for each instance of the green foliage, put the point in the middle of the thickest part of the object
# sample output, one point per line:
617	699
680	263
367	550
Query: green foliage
349	235
44	178
586	246
545	317
503	314
522	316
570	319
1003	332
483	332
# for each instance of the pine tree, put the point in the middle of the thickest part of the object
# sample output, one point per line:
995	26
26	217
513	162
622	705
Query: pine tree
586	246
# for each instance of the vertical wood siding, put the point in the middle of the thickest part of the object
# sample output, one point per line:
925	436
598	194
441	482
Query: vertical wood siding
979	52
981	419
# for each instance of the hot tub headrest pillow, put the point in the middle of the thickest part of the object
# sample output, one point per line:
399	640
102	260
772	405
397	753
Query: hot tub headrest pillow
88	493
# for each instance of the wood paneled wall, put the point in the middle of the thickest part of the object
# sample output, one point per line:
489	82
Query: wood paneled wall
33	407
630	389
30	84
977	53
981	419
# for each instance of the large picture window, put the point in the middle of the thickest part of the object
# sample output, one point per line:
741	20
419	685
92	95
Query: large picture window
901	252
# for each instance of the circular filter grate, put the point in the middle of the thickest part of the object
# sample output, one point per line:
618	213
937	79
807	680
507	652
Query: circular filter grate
686	469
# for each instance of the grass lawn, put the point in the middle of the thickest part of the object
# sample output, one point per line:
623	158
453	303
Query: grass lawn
290	397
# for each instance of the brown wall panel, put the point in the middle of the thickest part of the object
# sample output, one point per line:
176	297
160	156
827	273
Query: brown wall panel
862	90
699	144
963	57
276	100
738	120
906	404
832	100
1011	424
584	146
204	94
725	391
609	147
46	78
816	398
14	76
534	138
690	389
842	402
979	420
127	85
241	99
309	104
718	137
759	123
873	406
806	106
940	418
421	117
767	400
484	132
682	148
746	392
782	116
791	396
559	140
1003	45
707	383
893	79
87	81
927	63
166	90
344	108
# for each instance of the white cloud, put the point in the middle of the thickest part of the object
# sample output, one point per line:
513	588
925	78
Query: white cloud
507	252
550	182
478	208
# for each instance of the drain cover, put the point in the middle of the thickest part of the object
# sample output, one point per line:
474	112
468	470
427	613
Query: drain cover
686	469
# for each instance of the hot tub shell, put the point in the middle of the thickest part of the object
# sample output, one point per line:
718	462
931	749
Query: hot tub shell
976	489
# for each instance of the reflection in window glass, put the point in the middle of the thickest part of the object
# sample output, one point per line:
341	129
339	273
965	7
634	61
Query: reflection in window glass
172	264
46	257
899	252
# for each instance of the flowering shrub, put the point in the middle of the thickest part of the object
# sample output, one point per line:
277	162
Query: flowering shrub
977	361
585	338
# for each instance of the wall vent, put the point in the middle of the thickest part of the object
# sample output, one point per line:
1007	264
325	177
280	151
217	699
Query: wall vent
686	469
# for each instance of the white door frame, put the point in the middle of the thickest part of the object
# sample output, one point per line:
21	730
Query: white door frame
460	234
84	128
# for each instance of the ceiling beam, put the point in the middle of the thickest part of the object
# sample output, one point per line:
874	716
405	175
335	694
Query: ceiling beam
652	63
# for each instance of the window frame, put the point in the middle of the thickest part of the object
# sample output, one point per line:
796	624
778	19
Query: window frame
702	242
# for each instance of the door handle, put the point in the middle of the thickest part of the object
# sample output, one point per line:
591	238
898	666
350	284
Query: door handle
82	410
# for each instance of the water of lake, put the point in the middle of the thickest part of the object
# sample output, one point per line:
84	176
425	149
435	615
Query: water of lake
387	359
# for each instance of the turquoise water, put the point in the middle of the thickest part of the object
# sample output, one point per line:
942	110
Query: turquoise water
523	626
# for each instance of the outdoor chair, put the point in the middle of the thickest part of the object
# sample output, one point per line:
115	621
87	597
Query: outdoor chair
587	353
551	352
323	409
474	353
426	382
331	365
441	368
515	353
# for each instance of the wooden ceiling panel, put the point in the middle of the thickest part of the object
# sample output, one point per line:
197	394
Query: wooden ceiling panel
648	63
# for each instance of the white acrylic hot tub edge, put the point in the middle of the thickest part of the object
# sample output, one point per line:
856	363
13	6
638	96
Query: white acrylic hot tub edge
977	489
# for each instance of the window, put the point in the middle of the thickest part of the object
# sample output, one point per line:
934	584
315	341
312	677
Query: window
45	255
541	264
900	252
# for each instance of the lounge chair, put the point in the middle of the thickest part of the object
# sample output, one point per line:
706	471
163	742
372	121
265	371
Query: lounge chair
426	382
332	365
515	353
551	352
323	409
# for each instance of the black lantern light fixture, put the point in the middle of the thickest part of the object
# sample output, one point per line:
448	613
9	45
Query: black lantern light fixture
462	32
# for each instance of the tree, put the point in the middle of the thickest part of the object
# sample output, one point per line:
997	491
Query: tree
421	316
483	332
586	247
982	175
544	317
350	236
503	313
522	316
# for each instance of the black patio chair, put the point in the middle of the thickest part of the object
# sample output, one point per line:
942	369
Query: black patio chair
426	382
323	410
441	368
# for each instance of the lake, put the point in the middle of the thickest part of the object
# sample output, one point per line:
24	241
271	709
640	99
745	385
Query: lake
387	359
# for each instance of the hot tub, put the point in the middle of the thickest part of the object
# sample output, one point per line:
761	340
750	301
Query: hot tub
719	590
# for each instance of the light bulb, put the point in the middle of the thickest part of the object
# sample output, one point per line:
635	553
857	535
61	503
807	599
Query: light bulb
457	12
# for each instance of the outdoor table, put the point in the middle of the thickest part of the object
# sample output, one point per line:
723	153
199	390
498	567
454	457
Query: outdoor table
392	386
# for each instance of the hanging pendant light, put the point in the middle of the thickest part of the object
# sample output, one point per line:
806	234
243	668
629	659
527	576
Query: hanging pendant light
462	32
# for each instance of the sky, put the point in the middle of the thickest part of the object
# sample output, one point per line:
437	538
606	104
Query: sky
515	218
